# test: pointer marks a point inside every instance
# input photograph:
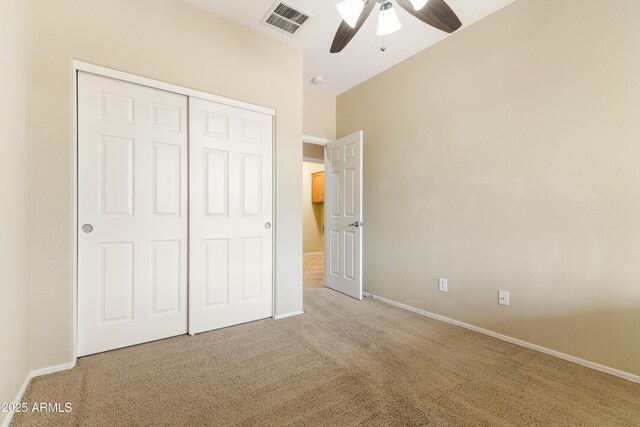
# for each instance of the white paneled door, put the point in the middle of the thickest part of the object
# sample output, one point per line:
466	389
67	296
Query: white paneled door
231	233
132	214
343	215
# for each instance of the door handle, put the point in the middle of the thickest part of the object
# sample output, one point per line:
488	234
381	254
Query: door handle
356	224
267	225
87	228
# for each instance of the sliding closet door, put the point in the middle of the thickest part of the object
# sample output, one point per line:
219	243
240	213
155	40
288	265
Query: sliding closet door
231	235
132	214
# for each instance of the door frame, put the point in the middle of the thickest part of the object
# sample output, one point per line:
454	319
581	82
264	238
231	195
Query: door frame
78	66
315	140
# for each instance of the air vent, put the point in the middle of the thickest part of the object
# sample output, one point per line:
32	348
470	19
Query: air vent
286	18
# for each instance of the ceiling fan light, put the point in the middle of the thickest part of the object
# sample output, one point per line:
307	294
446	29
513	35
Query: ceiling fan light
350	11
418	4
388	22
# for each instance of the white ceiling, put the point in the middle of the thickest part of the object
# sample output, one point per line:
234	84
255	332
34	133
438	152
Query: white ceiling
362	58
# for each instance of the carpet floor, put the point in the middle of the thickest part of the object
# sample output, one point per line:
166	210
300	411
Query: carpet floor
313	271
343	363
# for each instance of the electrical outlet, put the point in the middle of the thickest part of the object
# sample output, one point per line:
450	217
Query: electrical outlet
442	285
503	297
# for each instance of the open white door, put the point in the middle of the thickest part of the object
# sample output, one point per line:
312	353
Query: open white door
230	233
343	215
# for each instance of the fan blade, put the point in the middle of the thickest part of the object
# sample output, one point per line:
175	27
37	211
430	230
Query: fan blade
345	33
435	13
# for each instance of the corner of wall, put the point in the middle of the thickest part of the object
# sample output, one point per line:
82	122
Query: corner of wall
319	114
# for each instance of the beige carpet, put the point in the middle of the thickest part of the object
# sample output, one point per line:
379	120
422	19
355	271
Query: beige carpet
342	363
313	270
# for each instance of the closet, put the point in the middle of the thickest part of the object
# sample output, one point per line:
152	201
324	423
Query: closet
174	214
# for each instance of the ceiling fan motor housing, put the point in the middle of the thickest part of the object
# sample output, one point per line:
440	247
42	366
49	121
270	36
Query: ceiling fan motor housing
436	13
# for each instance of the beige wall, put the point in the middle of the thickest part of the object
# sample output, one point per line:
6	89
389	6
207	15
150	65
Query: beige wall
313	152
312	213
508	157
14	192
319	121
167	40
319	115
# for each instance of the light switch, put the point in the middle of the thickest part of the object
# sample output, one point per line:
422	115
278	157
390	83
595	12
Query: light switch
442	285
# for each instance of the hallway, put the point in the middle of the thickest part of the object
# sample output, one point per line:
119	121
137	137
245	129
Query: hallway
313	270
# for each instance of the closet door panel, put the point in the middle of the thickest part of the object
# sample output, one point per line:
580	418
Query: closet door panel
230	237
132	214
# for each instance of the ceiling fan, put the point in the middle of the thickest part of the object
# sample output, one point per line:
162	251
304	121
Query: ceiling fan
354	12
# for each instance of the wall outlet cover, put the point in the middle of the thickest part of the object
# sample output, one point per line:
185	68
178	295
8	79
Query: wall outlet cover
503	297
442	285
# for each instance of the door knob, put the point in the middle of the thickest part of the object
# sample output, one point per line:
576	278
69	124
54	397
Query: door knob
355	224
267	225
87	228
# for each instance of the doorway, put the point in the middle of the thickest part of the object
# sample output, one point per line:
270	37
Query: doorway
313	223
313	214
333	211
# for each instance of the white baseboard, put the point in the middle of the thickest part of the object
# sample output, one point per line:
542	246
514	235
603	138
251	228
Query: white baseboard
285	315
52	369
30	376
18	399
606	369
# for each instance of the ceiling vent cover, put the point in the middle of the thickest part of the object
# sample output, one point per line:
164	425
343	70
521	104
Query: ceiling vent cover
286	18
